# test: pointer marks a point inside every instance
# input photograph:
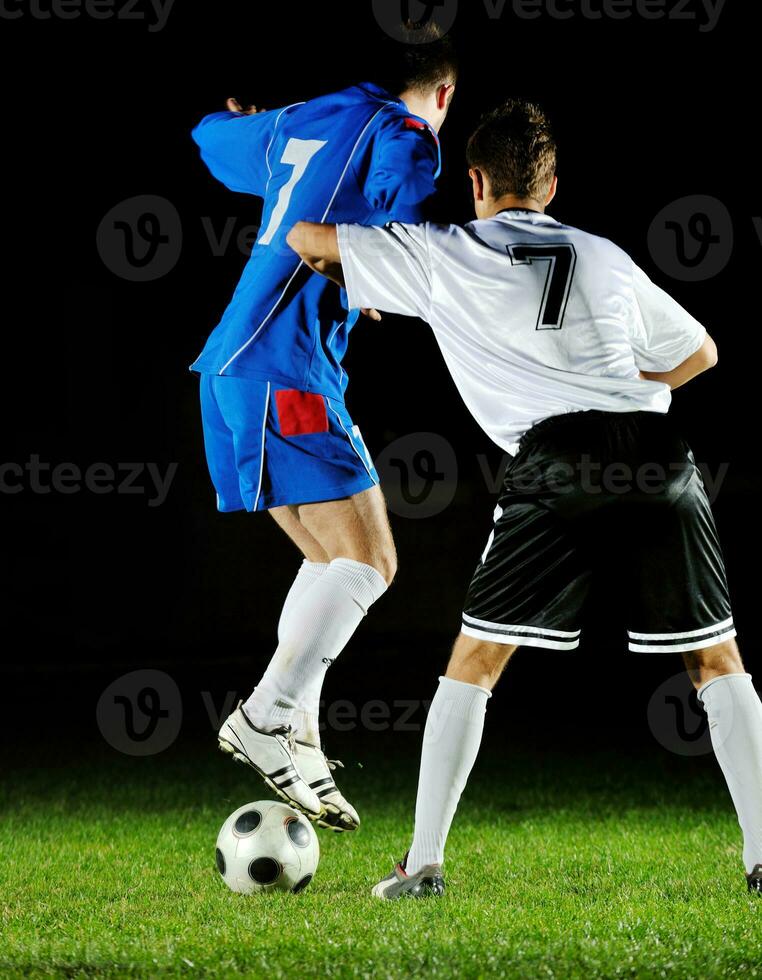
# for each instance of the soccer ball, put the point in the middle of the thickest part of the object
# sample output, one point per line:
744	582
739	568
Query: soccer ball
267	846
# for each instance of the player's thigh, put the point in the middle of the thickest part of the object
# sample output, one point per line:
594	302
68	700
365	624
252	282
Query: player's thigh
356	527
679	598
287	519
532	581
219	446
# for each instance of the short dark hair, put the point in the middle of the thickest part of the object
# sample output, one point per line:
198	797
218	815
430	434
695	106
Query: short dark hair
421	60
514	146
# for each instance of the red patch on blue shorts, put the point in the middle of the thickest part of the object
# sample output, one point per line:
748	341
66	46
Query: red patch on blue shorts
301	413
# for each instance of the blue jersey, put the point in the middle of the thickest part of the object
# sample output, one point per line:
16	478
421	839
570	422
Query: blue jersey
354	156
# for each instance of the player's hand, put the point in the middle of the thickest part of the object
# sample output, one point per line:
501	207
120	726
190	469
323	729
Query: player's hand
235	106
372	315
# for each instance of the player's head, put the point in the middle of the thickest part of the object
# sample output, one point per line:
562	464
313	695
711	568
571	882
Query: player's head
512	156
421	71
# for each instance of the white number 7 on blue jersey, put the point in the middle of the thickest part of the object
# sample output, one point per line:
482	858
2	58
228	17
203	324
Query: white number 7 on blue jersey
297	154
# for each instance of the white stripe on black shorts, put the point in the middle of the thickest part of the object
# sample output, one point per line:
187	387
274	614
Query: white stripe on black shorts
576	504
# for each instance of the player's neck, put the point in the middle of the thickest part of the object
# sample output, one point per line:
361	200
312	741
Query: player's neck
416	104
514	202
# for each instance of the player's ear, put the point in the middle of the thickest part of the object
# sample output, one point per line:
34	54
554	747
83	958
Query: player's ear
444	95
552	191
477	182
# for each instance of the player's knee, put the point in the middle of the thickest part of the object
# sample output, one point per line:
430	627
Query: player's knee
722	658
383	560
385	563
477	661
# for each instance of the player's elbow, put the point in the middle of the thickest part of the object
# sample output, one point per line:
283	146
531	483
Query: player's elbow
709	353
297	237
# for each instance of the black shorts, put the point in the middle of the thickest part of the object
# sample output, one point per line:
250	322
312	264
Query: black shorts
591	493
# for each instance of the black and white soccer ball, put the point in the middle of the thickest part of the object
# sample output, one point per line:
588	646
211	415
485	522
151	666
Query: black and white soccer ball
267	846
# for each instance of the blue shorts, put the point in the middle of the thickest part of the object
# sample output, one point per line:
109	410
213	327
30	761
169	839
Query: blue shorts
269	446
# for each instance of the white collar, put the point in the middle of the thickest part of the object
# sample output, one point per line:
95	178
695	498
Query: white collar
525	214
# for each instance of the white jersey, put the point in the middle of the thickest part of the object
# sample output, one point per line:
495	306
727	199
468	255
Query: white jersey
534	318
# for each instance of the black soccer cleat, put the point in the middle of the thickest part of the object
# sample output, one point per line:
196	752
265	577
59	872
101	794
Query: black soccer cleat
754	880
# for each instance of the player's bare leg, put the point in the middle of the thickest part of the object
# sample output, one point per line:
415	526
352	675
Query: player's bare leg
356	528
349	561
704	665
451	743
287	518
479	662
735	725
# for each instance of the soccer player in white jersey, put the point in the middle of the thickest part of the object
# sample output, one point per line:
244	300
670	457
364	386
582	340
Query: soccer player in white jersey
566	353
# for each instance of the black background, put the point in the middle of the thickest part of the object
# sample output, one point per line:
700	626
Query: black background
96	367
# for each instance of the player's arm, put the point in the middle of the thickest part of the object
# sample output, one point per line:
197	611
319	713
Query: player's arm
669	345
694	365
234	146
381	268
318	247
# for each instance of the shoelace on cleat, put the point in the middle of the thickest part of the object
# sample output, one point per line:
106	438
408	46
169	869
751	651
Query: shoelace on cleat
331	763
287	733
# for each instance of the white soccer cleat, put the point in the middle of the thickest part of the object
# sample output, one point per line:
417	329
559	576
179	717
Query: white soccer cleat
315	769
271	754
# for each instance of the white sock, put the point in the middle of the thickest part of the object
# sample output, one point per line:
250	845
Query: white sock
451	743
318	627
309	572
306	717
735	725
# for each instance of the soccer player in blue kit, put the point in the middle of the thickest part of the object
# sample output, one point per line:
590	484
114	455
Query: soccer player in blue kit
276	431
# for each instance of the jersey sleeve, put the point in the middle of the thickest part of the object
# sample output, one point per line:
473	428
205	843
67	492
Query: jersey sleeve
234	148
404	165
666	334
387	268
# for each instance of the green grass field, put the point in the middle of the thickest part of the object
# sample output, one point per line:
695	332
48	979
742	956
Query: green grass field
603	866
